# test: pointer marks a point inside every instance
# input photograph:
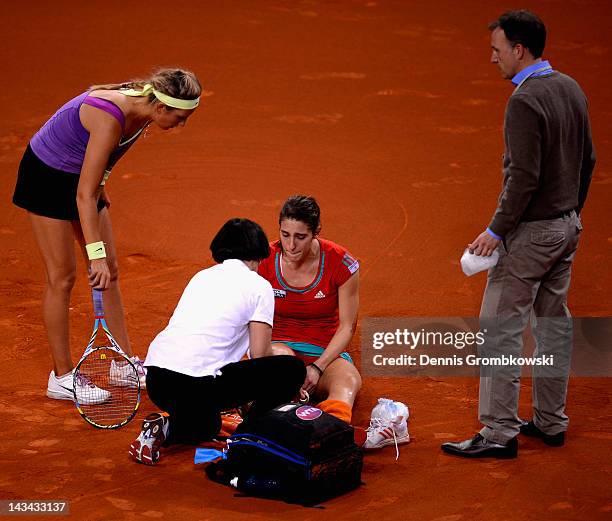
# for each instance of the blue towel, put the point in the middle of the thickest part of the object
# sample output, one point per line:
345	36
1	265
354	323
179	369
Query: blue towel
206	455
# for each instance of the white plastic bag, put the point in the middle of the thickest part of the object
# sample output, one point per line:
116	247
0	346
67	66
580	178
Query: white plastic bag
390	410
472	263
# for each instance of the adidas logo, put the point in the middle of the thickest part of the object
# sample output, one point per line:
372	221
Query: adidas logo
320	294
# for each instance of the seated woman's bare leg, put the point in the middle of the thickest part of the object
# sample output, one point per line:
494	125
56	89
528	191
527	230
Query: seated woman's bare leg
338	388
279	348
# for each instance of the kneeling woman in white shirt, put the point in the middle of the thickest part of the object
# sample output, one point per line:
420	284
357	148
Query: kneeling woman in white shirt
194	366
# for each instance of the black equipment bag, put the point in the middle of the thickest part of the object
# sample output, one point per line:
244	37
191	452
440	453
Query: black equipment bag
294	452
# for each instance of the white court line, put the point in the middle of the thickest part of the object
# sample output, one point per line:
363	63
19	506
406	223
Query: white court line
390	245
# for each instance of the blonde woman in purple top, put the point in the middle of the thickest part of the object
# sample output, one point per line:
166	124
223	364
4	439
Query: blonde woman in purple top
61	185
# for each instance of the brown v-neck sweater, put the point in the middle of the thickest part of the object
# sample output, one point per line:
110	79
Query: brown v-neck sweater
549	155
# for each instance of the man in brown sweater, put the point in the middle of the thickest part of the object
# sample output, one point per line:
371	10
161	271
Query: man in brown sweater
547	168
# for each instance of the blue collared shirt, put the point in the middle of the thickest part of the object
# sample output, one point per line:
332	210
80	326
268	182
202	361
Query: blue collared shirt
530	71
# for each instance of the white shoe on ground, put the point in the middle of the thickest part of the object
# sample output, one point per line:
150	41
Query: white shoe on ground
122	375
87	393
388	425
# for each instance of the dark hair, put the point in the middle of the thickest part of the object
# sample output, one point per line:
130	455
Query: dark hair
240	239
302	208
523	27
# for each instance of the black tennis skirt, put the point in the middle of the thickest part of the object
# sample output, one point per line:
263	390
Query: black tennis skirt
46	191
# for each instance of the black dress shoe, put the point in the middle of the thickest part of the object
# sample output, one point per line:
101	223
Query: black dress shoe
479	447
552	440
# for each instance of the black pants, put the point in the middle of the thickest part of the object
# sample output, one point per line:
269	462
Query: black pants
195	403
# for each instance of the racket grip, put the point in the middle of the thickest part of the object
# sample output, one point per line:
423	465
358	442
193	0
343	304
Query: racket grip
97	302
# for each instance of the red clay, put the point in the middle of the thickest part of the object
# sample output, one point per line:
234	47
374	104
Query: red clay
390	114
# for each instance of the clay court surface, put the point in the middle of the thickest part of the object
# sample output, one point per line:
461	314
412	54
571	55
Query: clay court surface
390	114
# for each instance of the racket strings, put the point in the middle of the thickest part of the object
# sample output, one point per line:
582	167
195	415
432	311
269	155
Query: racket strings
107	389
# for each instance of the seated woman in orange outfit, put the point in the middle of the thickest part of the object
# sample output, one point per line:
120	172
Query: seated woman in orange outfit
316	290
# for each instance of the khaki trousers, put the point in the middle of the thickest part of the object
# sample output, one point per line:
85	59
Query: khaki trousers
531	279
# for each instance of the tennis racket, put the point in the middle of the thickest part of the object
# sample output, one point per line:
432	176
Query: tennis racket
105	385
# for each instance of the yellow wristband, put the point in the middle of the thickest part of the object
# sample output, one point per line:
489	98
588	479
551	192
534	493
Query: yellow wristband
95	250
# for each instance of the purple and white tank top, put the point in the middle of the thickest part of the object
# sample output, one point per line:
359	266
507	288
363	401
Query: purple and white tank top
62	141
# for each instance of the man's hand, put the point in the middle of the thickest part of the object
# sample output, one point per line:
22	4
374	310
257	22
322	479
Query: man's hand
484	245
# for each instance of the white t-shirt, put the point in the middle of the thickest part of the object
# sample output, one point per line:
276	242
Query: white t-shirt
209	327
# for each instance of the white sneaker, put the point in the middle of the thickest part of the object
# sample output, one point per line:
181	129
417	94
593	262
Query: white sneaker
122	376
388	425
60	388
87	393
